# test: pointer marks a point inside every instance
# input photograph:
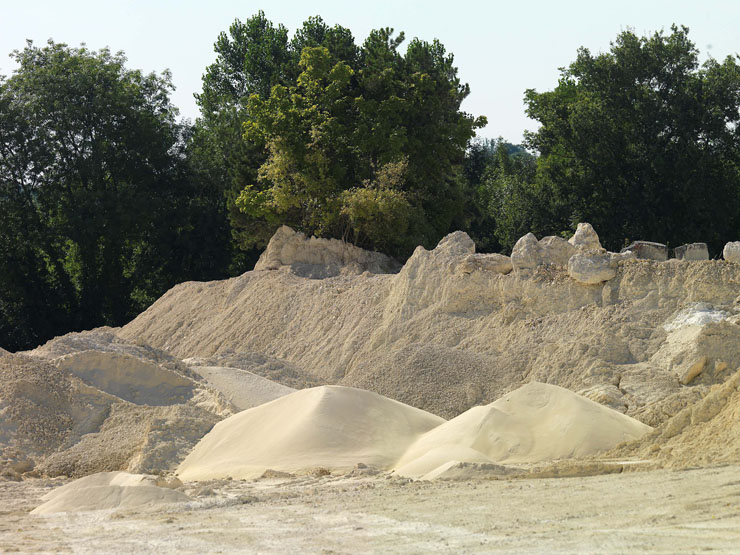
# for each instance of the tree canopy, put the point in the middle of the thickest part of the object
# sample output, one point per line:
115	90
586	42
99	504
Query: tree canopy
642	142
364	143
100	215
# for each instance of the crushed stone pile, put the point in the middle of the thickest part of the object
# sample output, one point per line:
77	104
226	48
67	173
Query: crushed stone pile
454	328
42	409
108	490
98	403
704	433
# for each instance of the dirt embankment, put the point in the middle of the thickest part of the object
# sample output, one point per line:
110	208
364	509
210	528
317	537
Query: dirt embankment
450	331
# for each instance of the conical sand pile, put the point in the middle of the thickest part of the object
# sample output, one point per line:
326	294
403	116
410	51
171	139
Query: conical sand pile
535	423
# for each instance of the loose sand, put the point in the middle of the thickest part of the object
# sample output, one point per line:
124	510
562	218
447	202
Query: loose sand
535	423
108	490
240	387
329	427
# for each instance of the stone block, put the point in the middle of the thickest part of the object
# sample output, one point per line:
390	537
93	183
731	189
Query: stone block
692	251
647	250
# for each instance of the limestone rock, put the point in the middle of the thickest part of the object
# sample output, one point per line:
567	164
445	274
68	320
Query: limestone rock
647	250
692	251
556	250
592	268
456	243
694	370
585	238
497	263
321	258
731	252
527	253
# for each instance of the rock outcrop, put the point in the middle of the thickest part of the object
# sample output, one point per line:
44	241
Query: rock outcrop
320	258
527	254
593	267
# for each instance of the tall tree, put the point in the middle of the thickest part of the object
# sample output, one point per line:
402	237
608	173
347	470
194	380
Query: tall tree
642	141
94	188
376	133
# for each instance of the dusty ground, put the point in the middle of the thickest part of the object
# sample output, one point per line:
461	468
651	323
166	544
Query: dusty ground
658	511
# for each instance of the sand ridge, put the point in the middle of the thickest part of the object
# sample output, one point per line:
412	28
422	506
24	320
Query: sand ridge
336	427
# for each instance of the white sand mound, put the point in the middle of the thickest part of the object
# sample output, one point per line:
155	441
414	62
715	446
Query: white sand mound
130	378
535	423
242	388
330	426
108	490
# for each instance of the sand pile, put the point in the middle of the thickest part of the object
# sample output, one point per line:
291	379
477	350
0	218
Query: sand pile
242	388
455	329
42	409
117	407
129	378
330	427
271	368
535	423
337	427
705	433
108	490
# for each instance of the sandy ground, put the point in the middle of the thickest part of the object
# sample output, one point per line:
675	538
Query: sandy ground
655	512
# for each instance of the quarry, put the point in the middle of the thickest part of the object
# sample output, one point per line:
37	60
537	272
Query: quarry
561	399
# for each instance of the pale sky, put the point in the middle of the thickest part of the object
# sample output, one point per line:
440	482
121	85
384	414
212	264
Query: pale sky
500	48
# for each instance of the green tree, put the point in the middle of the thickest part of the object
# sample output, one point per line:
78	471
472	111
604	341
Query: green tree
100	213
641	141
352	120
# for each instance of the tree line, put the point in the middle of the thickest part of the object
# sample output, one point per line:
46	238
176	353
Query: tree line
107	199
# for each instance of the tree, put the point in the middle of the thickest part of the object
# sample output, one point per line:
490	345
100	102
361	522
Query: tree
642	142
361	132
100	214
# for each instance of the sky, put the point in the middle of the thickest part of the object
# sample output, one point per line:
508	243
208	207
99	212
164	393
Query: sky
500	48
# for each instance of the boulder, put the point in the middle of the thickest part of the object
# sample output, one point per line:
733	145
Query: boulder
556	250
585	238
731	252
457	242
527	254
647	250
692	251
496	263
591	268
